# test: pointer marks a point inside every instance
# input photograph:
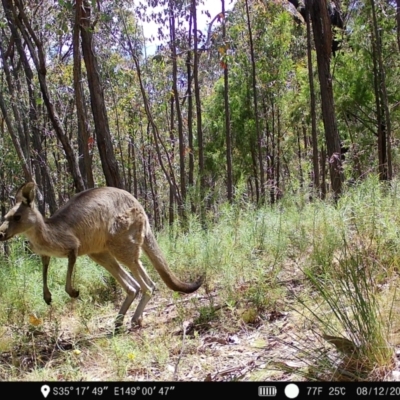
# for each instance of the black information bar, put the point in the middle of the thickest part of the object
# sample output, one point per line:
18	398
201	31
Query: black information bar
186	390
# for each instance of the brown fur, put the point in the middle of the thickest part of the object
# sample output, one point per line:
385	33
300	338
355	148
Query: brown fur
107	224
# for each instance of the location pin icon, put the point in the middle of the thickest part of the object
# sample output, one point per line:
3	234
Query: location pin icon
45	389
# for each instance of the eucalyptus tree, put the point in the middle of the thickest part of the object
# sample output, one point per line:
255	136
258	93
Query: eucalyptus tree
366	90
263	78
228	134
322	29
21	18
97	101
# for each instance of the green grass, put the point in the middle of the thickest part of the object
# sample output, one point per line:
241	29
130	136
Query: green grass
310	277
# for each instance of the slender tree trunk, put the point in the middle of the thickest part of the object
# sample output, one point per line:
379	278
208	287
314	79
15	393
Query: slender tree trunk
323	173
144	168
99	110
15	137
39	157
323	44
190	111
301	176
152	181
255	104
228	134
272	158
313	108
171	216
178	113
255	173
132	159
278	188
385	129
15	140
381	127
169	175
198	105
85	159
398	22
3	197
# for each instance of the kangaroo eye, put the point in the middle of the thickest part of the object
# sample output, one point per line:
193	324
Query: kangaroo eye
16	218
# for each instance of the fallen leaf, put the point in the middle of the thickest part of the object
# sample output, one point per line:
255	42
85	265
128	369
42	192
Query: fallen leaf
295	364
35	321
260	343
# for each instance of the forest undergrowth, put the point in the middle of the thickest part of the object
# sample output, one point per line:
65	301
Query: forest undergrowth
302	290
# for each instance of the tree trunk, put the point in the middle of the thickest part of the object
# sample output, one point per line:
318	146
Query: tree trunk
255	104
85	158
313	108
323	173
198	106
190	111
99	110
169	175
398	22
383	114
228	135
21	149
15	140
171	215
39	156
323	45
178	113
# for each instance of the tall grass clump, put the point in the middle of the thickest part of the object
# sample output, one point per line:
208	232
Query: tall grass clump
240	248
350	318
350	309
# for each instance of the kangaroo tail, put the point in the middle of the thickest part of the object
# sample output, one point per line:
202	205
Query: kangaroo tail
153	251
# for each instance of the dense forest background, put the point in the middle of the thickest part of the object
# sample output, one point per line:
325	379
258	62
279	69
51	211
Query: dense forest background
264	147
270	98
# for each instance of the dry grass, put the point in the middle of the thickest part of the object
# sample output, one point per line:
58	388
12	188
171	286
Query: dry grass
275	305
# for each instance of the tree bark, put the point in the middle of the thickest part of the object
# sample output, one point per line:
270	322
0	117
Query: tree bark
398	22
85	158
171	216
15	130
39	159
228	135
255	104
200	139
38	58
103	135
313	108
190	111
383	113
323	45
178	112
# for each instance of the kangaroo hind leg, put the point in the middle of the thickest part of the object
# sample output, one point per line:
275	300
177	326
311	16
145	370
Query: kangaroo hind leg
130	258
129	285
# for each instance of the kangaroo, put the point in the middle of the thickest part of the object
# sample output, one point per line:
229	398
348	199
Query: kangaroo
107	224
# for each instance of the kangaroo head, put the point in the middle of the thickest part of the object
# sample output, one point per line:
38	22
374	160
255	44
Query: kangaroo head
23	216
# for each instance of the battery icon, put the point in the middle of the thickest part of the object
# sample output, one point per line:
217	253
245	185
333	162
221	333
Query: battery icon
267	391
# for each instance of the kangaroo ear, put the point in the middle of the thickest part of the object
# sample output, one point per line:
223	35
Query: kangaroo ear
26	193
